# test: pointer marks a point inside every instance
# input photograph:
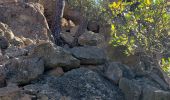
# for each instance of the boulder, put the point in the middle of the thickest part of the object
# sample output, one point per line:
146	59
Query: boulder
23	70
90	38
13	51
130	88
56	72
55	56
113	72
89	55
10	93
69	34
7	32
83	84
4	43
25	20
152	93
44	92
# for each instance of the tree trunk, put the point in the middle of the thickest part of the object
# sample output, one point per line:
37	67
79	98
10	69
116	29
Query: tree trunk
82	28
60	4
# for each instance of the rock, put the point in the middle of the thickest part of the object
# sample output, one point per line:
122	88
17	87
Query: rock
89	55
22	71
43	92
10	93
7	1
90	38
84	84
27	41
25	20
113	72
130	88
152	93
56	72
126	71
7	32
72	14
4	44
16	41
15	52
69	34
55	56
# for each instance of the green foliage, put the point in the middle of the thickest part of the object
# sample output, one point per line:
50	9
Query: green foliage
166	65
141	25
90	9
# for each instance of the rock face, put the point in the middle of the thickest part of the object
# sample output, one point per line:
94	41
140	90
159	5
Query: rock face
89	55
55	56
22	71
25	20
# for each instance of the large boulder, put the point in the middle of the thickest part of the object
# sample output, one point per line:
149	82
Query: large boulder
90	38
130	88
55	56
113	72
90	55
25	19
23	70
152	93
83	84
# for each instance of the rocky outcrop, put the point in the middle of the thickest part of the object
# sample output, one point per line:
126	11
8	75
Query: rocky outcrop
25	20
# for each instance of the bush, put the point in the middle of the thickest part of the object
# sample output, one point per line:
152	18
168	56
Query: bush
140	25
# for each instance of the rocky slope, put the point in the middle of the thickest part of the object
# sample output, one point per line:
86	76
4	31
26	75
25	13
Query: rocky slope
33	68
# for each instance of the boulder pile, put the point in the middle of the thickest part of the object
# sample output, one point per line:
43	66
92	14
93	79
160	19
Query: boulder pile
32	67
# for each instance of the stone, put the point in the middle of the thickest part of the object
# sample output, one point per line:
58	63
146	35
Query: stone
15	52
7	32
25	20
55	56
90	38
10	93
43	92
56	72
84	84
113	72
16	41
152	93
68	35
130	88
4	44
7	1
126	71
89	55
23	70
